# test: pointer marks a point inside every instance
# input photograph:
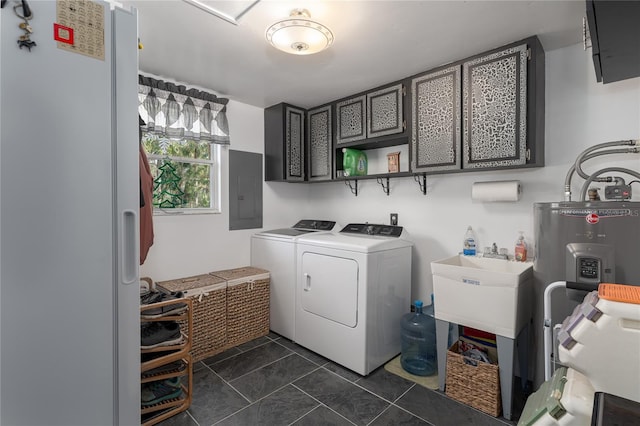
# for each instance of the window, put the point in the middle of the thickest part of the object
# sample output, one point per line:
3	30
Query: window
186	174
182	130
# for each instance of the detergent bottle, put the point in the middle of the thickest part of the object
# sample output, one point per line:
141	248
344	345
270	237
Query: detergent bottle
354	162
469	243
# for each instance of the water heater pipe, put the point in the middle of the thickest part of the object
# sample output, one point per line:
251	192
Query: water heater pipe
567	180
588	154
587	151
595	175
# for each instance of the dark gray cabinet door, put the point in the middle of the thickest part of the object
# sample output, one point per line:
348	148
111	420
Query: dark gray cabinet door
351	117
284	143
435	120
384	111
319	137
495	109
294	140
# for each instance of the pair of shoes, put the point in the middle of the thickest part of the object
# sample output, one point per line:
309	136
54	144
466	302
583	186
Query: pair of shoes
159	333
162	390
160	296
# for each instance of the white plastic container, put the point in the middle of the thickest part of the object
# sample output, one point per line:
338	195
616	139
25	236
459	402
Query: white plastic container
566	399
493	295
606	351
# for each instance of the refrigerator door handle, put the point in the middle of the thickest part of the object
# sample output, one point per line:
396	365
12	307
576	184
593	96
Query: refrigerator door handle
128	250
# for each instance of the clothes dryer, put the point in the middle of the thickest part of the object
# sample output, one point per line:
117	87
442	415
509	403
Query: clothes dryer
274	250
352	289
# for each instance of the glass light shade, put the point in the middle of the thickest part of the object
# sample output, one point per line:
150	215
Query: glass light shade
299	35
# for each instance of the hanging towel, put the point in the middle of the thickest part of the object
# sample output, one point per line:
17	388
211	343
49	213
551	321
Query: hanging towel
146	210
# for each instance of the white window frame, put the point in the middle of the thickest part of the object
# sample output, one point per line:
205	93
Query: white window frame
215	177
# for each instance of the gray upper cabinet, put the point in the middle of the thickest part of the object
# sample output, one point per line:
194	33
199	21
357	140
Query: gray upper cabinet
377	113
284	143
384	111
319	150
435	120
485	112
351	120
495	109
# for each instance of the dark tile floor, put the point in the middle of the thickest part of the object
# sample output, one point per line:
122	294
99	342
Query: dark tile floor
271	381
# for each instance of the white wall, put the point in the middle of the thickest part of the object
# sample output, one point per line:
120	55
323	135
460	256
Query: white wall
579	114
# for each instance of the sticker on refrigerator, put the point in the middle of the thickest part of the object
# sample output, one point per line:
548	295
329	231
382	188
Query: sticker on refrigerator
62	34
79	27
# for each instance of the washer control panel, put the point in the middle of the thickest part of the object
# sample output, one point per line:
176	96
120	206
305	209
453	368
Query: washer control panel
319	225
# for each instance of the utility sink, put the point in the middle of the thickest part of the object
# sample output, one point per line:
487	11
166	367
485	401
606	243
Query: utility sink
494	295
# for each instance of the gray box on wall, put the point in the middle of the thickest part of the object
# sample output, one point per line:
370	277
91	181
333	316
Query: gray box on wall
245	190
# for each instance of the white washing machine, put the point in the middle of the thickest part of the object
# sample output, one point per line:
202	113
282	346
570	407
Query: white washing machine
352	289
274	250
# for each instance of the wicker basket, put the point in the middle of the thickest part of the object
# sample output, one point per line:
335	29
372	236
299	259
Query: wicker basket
247	303
475	385
209	295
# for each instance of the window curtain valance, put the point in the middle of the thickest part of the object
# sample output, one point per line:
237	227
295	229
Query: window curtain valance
177	112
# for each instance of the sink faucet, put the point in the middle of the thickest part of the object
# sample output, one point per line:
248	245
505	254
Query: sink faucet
494	252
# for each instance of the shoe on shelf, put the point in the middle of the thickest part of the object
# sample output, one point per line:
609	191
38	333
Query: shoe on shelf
150	356
172	367
159	391
160	296
159	333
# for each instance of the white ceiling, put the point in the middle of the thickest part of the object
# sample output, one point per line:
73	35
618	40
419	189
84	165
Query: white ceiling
376	42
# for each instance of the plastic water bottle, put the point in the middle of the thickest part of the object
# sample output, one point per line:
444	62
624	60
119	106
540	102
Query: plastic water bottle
469	243
419	342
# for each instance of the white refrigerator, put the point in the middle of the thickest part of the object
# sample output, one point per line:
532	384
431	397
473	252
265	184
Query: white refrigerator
69	202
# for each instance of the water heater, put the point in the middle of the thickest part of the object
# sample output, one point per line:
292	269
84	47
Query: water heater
584	242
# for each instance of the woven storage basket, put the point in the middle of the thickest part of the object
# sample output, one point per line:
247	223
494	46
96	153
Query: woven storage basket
209	295
247	303
475	385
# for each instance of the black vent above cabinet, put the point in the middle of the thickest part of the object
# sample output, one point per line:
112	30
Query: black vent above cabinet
614	27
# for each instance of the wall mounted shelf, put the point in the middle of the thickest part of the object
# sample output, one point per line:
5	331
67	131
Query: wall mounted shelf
383	179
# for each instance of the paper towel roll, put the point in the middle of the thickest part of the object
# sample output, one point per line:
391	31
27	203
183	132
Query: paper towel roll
506	190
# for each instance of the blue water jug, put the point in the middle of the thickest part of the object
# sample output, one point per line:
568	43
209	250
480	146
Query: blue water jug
418	332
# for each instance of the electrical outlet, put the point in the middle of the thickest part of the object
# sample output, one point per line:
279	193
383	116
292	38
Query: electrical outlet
394	219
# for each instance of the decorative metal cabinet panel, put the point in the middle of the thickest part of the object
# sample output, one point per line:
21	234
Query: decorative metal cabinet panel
295	143
351	116
284	145
436	119
384	111
495	109
319	137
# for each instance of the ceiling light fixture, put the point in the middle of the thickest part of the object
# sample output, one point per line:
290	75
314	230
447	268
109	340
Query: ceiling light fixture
299	35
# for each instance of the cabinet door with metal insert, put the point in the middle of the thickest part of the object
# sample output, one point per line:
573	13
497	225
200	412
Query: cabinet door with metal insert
319	135
351	117
436	119
294	126
495	109
384	111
